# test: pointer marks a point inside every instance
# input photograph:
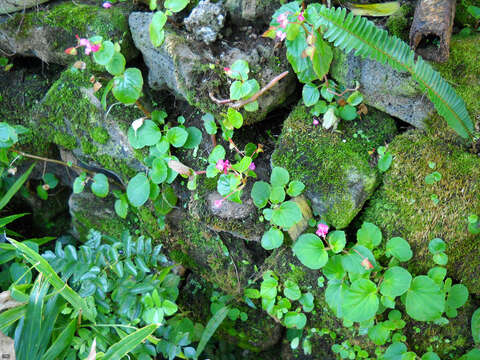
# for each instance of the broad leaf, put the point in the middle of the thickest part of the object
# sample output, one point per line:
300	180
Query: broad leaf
425	301
310	250
360	301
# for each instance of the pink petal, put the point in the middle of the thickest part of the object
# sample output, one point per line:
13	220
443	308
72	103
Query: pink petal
107	5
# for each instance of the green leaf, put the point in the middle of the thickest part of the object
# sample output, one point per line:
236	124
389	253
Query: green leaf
347	112
337	240
268	288
63	289
436	246
217	153
322	57
295	188
291	290
475	325
210	329
8	219
127	87
169	307
334	270
157	33
395	351
51	180
148	134
378	334
334	296
440	258
352	262
396	282
138	190
209	124
79	183
252	106
260	193
277	195
194	138
130	342
272	239
437	274
12	190
399	249
234	119
252	293
307	302
360	301
243	165
105	53
384	162
236	90
295	320
424	301
176	6
310	94
100	185
116	66
369	235
301	65
159	171
355	98
279	177
310	250
121	208
177	136
63	340
430	356
286	215
474	11
240	70
457	296
42	193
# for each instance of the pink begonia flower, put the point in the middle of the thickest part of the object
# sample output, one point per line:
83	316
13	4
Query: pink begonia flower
107	5
300	17
322	230
281	35
218	203
252	166
223	165
282	19
89	47
367	264
315	122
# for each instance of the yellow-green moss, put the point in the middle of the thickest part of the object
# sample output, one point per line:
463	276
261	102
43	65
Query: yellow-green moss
462	16
324	160
399	23
100	135
403	205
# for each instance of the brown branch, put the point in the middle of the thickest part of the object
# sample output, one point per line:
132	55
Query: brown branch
63	163
251	99
262	91
142	108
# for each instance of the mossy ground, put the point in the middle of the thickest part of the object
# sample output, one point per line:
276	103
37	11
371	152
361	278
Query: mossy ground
323	159
399	23
403	205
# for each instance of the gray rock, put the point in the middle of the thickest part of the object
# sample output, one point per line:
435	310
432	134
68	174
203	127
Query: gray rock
182	66
242	11
9	6
382	87
205	21
229	209
46	34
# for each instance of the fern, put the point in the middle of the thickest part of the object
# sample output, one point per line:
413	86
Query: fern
349	32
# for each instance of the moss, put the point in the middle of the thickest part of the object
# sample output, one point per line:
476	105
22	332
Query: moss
100	135
88	148
330	163
399	23
463	70
67	141
403	205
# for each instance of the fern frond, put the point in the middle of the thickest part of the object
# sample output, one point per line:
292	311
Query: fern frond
349	32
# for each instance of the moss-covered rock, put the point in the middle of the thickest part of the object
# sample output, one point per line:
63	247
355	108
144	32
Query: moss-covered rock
46	34
90	212
334	166
187	68
71	116
403	205
399	23
258	333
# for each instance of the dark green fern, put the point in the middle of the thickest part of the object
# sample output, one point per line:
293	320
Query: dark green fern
349	32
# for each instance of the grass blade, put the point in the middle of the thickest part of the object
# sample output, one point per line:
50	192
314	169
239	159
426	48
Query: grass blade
7	220
11	316
15	187
210	329
121	348
61	342
64	290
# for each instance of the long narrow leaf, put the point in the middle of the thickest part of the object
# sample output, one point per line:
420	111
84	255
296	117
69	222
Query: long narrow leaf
127	344
15	187
8	219
210	329
349	32
64	290
61	342
11	316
